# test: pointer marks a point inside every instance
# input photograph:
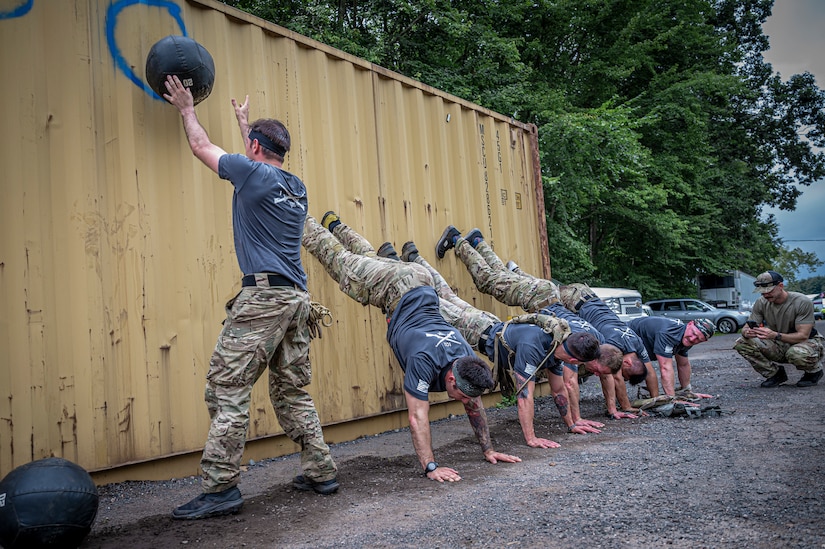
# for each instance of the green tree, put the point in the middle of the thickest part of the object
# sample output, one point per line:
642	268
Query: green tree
791	261
813	285
663	132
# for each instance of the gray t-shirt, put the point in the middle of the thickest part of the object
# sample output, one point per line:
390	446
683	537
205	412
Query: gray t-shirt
784	318
269	208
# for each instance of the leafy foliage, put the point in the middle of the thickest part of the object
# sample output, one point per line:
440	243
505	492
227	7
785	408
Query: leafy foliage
663	132
791	262
813	285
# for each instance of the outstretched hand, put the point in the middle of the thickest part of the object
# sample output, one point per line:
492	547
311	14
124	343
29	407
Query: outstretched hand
178	95
241	111
444	473
537	442
495	457
621	415
590	423
581	429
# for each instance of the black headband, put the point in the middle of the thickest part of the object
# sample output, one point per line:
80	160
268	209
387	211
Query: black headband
567	350
465	385
267	143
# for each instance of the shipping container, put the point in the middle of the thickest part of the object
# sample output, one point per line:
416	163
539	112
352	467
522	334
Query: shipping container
116	249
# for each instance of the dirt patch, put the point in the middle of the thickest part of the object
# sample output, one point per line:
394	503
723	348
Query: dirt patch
750	479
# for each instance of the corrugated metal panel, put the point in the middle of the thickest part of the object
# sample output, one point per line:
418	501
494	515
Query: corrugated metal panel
116	252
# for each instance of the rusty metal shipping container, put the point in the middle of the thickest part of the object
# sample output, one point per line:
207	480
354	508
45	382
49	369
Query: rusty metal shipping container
116	249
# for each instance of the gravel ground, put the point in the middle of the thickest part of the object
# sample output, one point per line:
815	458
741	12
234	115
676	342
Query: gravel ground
751	478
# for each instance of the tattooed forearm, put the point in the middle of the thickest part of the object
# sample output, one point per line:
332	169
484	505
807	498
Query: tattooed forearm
562	404
478	421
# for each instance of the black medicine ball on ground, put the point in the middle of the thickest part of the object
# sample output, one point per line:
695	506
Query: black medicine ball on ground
185	58
46	503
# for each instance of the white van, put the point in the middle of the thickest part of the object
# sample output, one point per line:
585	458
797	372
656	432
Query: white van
627	304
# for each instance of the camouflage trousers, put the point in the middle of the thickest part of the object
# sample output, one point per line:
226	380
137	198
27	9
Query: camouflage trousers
470	321
763	354
573	296
265	328
492	277
362	275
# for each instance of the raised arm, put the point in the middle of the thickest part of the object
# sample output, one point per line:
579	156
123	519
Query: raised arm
203	149
242	114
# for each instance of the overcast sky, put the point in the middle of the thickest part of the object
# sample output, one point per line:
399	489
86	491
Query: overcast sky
797	42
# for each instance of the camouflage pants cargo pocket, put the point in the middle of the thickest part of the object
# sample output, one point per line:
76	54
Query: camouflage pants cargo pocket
574	295
354	285
807	356
290	365
240	354
256	321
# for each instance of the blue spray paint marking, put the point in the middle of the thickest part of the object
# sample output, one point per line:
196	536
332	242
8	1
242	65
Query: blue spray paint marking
19	11
111	23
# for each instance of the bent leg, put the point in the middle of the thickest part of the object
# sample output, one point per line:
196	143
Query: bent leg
470	321
530	293
492	259
761	354
806	356
353	241
442	288
367	280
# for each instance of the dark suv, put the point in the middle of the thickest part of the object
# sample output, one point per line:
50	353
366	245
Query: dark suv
685	309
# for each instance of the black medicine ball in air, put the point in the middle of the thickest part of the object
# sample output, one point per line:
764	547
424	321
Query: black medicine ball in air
51	502
184	58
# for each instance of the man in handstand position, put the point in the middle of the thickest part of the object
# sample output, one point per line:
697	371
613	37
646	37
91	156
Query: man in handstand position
522	347
433	355
535	294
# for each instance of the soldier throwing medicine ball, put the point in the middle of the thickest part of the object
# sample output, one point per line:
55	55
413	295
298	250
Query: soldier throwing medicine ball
266	323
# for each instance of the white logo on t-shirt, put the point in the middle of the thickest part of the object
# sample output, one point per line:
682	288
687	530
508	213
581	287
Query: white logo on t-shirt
447	339
291	201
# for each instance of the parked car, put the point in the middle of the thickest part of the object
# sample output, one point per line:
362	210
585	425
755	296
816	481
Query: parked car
627	304
685	309
819	308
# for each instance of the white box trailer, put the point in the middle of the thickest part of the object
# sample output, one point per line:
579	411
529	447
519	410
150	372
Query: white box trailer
733	290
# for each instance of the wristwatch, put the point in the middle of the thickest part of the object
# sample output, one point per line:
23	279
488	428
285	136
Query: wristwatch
431	466
778	336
